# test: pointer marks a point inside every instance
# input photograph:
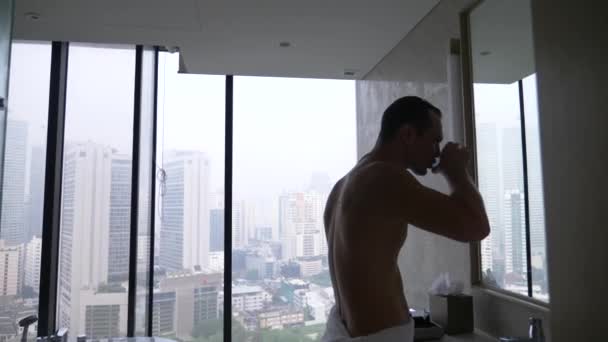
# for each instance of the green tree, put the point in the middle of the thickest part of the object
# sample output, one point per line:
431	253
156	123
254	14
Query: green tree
286	335
321	279
207	328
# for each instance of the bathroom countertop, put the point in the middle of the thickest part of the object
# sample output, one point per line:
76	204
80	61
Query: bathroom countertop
476	337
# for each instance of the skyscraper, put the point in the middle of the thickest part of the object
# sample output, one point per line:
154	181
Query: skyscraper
33	251
143	252
36	192
216	237
513	198
85	227
535	190
184	236
12	228
10	269
515	238
301	224
240	229
120	218
512	159
263	233
488	178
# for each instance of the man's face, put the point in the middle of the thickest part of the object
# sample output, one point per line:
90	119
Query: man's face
424	147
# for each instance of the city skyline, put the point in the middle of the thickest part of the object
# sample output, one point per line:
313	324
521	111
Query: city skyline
98	173
285	163
500	176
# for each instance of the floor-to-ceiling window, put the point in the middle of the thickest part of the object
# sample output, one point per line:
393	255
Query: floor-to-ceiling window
189	253
293	139
96	193
513	257
23	185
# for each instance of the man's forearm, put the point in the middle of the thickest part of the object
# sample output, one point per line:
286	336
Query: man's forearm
466	192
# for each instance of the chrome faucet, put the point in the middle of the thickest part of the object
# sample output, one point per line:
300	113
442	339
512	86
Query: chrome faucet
535	333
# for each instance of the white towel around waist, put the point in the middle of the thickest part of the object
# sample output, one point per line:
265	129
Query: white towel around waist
336	332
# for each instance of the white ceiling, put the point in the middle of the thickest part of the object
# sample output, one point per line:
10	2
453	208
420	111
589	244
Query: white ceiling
239	37
501	41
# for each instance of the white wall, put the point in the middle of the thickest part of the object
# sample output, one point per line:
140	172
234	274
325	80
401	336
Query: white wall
571	46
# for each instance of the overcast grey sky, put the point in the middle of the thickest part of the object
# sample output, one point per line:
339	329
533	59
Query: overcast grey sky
284	129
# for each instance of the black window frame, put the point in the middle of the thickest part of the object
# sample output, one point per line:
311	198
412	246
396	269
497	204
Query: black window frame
471	140
47	324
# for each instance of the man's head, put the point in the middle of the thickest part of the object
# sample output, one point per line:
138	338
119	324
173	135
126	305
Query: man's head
413	127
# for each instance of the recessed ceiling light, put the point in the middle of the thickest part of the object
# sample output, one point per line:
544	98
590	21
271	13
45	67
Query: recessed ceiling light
350	72
285	44
32	15
485	53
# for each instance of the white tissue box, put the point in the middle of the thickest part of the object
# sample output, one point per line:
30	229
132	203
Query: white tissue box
454	313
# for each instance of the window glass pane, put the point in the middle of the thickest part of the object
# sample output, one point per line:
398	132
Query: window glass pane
23	186
294	138
96	194
540	286
500	175
502	54
189	222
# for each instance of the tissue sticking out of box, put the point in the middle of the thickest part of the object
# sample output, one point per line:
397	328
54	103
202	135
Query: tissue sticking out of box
443	285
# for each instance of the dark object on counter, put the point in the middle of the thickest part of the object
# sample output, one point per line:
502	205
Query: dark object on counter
424	329
536	330
453	312
25	324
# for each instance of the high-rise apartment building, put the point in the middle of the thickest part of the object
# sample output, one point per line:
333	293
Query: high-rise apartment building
196	300
535	192
120	218
515	237
263	233
512	187
143	251
216	235
10	269
33	252
36	192
301	224
184	235
12	227
487	146
104	314
240	225
163	314
85	229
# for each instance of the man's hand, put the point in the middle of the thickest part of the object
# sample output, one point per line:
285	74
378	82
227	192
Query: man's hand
453	161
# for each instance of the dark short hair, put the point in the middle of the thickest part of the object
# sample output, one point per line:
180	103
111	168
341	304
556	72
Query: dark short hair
410	110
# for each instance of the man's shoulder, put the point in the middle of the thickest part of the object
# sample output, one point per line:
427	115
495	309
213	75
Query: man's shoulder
379	171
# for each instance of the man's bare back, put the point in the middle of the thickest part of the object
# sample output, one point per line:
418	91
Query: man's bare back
368	212
364	242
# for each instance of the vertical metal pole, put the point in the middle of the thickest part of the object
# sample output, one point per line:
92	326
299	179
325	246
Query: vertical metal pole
526	194
51	219
132	301
150	304
228	210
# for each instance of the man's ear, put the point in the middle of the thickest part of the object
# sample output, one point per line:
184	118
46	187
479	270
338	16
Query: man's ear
407	134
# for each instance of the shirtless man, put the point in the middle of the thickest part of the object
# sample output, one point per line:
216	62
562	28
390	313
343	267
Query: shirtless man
367	215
